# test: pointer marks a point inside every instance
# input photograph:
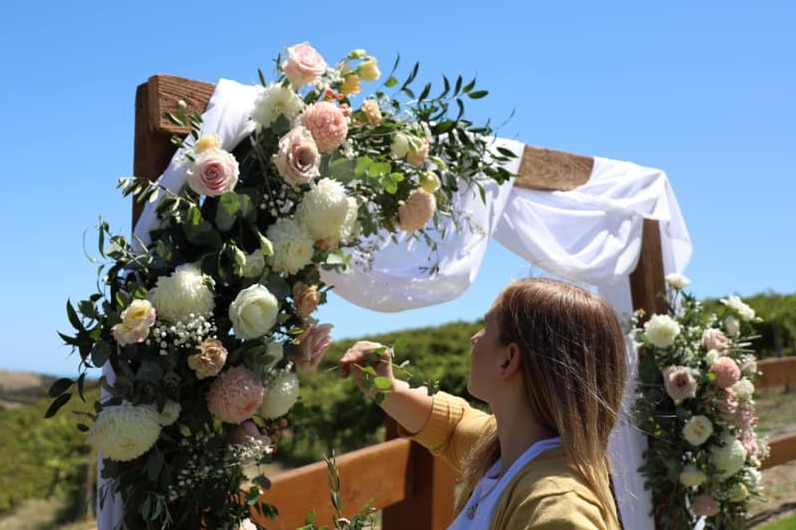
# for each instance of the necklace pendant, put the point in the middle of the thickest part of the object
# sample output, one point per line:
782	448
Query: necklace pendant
471	510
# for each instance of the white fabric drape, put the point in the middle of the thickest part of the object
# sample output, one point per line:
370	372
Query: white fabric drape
591	234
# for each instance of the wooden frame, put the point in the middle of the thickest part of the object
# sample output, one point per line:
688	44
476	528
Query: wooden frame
415	489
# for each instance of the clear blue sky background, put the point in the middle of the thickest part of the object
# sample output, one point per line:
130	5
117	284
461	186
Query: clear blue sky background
701	89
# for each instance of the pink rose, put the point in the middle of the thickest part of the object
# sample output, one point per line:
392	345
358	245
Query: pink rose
705	505
727	372
417	157
245	431
303	65
714	339
312	346
417	210
327	124
235	395
136	320
214	172
679	383
727	404
297	159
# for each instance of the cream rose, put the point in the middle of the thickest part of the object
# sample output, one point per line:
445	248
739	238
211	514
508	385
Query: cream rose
661	330
137	319
697	430
253	312
210	359
213	173
371	110
677	281
368	69
297	159
303	65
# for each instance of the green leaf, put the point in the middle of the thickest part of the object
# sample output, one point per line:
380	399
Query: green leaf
424	94
382	383
391	82
100	353
73	318
56	405
60	386
154	465
149	371
478	94
227	212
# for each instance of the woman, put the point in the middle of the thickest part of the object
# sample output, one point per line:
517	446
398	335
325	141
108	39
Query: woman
550	363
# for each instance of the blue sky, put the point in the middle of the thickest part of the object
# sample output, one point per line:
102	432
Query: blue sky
703	90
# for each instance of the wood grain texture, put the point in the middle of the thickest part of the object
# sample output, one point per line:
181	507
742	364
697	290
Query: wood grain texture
647	282
550	170
166	91
776	372
783	450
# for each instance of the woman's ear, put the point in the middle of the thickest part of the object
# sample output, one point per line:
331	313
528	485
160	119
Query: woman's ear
511	362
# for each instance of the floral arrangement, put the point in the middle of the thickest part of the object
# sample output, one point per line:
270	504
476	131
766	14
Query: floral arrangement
205	327
696	403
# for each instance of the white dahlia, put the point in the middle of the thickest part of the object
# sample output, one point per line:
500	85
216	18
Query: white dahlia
125	432
183	293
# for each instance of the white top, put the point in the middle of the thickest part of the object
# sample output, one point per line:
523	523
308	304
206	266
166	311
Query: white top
480	508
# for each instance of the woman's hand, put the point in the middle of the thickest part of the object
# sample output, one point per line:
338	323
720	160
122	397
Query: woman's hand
362	355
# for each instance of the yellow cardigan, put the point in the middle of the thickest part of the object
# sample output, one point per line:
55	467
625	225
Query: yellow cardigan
547	494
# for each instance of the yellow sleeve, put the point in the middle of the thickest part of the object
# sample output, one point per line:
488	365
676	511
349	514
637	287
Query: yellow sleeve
558	511
453	427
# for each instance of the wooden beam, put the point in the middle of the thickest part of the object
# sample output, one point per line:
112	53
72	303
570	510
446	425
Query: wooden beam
647	282
550	170
377	473
778	371
783	450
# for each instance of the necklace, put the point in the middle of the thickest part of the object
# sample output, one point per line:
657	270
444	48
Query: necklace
473	507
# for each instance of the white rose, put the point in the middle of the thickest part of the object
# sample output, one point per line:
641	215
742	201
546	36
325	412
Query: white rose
254	312
661	330
737	305
732	325
677	281
280	395
255	264
697	430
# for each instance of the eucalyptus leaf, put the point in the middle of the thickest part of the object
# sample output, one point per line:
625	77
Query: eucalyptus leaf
60	386
56	405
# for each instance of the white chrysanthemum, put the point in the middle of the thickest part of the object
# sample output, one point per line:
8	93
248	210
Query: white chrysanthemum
293	245
677	281
125	432
328	212
736	304
280	395
697	430
170	413
691	476
729	457
744	389
661	330
273	101
181	294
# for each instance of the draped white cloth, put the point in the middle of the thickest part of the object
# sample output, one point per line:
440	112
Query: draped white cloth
591	234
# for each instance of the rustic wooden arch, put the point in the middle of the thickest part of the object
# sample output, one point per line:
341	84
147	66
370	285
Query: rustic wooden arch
415	489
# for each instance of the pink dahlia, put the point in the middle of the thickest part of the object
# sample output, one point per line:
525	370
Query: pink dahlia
327	124
235	395
727	372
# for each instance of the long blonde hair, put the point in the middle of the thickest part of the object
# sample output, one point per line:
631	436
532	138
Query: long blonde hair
573	366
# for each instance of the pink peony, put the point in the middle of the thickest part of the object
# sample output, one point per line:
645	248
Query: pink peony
679	383
214	172
297	158
313	344
327	124
303	65
714	339
705	505
235	395
727	372
417	210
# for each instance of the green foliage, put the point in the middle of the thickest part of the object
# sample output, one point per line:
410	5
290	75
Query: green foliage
42	457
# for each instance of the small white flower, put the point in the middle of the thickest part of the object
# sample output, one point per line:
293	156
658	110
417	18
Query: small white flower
677	281
661	330
274	101
742	309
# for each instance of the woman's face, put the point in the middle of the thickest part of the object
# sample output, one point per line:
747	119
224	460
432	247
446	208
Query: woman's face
485	359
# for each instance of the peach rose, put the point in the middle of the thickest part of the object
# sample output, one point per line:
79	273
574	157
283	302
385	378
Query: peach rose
371	110
210	359
303	65
351	85
214	172
313	344
417	210
327	124
306	299
297	159
417	154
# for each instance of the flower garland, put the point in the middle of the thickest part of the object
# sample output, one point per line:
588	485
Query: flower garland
205	327
696	403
